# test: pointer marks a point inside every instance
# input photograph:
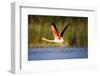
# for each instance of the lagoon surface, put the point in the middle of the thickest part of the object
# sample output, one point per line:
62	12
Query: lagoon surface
56	53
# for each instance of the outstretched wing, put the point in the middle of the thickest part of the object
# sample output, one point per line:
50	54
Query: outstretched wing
62	33
54	30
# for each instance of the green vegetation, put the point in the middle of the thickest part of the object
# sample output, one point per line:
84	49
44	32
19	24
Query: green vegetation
40	26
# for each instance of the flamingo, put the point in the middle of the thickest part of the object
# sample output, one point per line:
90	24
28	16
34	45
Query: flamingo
58	37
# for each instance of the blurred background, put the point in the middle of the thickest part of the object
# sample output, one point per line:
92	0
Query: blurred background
76	35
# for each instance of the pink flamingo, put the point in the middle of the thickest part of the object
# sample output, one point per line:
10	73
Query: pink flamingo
58	37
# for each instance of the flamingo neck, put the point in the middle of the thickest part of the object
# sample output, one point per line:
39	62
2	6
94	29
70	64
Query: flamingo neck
47	40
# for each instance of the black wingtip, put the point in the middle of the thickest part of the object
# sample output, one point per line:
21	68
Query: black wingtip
52	23
62	33
67	24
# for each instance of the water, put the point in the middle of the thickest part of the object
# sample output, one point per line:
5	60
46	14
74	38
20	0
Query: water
56	53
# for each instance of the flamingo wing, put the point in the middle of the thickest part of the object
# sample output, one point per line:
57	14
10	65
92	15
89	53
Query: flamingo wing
62	33
54	30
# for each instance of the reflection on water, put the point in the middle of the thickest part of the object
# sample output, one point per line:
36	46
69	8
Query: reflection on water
56	53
